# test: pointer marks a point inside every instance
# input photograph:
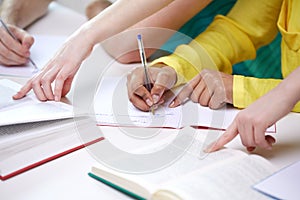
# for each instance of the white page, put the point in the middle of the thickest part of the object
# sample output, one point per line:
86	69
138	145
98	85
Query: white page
42	51
198	115
112	107
192	159
28	109
282	185
224	180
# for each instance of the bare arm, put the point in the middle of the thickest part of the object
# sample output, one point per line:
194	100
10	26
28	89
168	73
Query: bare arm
172	17
61	69
22	13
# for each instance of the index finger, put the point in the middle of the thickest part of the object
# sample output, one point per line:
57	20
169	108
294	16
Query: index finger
228	135
185	92
23	91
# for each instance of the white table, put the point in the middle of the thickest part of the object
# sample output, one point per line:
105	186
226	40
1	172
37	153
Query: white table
66	177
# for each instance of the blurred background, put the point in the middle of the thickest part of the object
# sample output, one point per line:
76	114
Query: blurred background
77	5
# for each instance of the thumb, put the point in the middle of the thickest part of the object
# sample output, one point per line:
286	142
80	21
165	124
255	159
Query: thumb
163	81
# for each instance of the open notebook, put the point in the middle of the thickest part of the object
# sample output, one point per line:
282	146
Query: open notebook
112	107
28	109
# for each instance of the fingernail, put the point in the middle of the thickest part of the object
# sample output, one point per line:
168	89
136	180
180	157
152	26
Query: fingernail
161	101
155	98
172	104
27	45
56	98
149	102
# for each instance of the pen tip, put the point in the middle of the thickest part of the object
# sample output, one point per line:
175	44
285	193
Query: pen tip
152	111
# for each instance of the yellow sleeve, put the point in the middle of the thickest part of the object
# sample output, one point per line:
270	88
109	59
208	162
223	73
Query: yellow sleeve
246	90
227	40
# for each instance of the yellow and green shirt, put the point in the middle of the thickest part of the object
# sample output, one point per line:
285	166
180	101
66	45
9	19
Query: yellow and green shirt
234	38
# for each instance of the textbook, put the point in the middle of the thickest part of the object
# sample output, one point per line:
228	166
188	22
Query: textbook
28	145
33	132
225	174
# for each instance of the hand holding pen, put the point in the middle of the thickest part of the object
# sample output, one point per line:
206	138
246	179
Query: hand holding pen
140	90
147	84
14	45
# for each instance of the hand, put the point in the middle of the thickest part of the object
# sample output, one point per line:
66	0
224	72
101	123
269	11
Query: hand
252	122
209	88
13	52
163	78
61	69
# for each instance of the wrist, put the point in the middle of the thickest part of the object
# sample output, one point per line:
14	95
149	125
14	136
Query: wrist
228	86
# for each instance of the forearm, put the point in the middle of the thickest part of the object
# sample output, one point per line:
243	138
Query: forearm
23	13
119	16
167	18
290	89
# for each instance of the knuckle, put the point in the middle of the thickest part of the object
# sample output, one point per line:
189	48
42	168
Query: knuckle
5	53
45	80
257	122
259	142
214	105
128	77
194	98
57	90
131	99
242	118
61	77
144	96
35	82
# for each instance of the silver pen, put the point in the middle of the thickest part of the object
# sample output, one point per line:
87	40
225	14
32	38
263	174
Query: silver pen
144	63
15	38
